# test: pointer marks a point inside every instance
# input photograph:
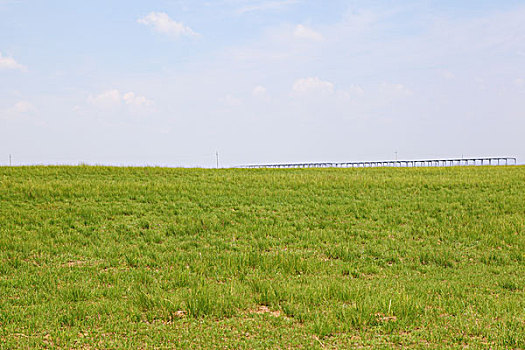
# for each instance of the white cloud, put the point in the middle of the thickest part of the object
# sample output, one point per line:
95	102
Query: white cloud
397	90
113	99
22	107
162	23
448	75
352	92
357	21
21	110
480	83
137	101
10	63
231	101
107	99
302	32
259	91
356	90
312	85
266	6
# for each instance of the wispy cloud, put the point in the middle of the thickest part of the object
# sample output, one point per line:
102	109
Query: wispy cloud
8	2
10	63
395	90
22	107
231	101
105	100
312	85
519	83
114	99
447	75
131	99
259	91
270	5
23	111
303	32
162	23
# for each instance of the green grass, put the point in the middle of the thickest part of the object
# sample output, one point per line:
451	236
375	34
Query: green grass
100	257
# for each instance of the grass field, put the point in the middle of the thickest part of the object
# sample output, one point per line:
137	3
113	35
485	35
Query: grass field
101	257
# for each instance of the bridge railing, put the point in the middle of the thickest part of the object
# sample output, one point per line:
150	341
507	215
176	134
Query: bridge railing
396	163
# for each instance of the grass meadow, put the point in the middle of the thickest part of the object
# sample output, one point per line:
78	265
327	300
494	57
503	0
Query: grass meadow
110	257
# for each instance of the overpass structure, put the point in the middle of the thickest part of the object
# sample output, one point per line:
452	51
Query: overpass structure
396	163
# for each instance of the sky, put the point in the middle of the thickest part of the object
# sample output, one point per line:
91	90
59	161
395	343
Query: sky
171	83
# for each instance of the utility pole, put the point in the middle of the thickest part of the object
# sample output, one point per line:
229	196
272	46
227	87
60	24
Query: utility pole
217	155
9	160
396	154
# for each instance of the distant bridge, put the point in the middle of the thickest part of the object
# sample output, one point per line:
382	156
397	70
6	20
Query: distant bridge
396	163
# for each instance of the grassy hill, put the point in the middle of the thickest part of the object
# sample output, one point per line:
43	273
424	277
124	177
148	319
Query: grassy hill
101	257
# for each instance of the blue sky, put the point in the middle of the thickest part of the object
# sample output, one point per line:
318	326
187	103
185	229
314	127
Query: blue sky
172	82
